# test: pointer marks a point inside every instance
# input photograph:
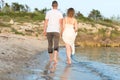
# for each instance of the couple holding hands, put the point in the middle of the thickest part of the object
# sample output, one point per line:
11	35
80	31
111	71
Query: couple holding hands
55	26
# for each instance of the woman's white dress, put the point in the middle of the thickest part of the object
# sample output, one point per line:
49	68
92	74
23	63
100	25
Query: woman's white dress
69	36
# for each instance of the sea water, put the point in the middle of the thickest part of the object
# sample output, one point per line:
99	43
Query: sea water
105	61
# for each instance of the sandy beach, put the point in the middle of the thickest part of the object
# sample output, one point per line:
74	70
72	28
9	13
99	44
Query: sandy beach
15	50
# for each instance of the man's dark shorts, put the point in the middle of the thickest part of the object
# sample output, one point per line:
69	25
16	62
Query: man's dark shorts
53	41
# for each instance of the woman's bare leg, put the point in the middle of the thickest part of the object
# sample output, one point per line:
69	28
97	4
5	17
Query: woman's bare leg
68	53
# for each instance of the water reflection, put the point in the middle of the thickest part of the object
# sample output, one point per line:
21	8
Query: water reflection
66	73
105	55
48	73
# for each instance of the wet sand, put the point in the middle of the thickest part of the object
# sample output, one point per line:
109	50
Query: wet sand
38	68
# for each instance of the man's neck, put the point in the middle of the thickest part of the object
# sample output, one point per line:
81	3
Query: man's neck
54	7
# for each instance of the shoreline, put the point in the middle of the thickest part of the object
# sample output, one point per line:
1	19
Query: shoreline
15	50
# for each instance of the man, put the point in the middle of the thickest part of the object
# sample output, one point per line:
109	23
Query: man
53	22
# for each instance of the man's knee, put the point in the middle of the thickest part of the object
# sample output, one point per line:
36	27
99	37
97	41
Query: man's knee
50	50
56	49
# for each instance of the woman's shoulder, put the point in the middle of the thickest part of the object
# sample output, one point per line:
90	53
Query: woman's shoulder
74	19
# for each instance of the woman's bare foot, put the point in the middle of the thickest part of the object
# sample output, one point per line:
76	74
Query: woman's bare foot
68	61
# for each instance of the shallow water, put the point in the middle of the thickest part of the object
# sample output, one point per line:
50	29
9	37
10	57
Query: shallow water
104	55
87	64
103	61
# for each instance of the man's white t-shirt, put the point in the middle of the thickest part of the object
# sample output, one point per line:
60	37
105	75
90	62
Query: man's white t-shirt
53	17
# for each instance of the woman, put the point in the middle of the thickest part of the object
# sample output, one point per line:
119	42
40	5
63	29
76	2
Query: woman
69	32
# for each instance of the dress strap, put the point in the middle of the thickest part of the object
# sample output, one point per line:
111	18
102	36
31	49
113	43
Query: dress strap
66	21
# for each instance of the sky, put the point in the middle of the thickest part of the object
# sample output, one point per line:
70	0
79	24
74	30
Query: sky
108	8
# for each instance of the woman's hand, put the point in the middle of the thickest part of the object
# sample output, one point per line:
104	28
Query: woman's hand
75	30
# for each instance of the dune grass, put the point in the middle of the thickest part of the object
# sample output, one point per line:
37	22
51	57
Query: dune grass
4	25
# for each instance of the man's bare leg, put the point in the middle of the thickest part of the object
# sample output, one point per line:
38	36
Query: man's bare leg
50	57
55	56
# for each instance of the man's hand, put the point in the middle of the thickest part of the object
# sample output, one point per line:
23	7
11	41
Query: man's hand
44	33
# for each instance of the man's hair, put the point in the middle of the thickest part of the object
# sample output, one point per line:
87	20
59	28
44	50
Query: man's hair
54	3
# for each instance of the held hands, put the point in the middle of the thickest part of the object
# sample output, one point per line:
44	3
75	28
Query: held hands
44	33
61	34
75	30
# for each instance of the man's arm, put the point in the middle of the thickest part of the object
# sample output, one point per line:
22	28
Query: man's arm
61	27
45	26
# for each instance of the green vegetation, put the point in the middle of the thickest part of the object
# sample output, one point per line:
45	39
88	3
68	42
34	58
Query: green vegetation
115	34
95	17
21	13
22	16
4	25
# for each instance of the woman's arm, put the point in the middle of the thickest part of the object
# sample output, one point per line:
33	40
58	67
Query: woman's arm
76	25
